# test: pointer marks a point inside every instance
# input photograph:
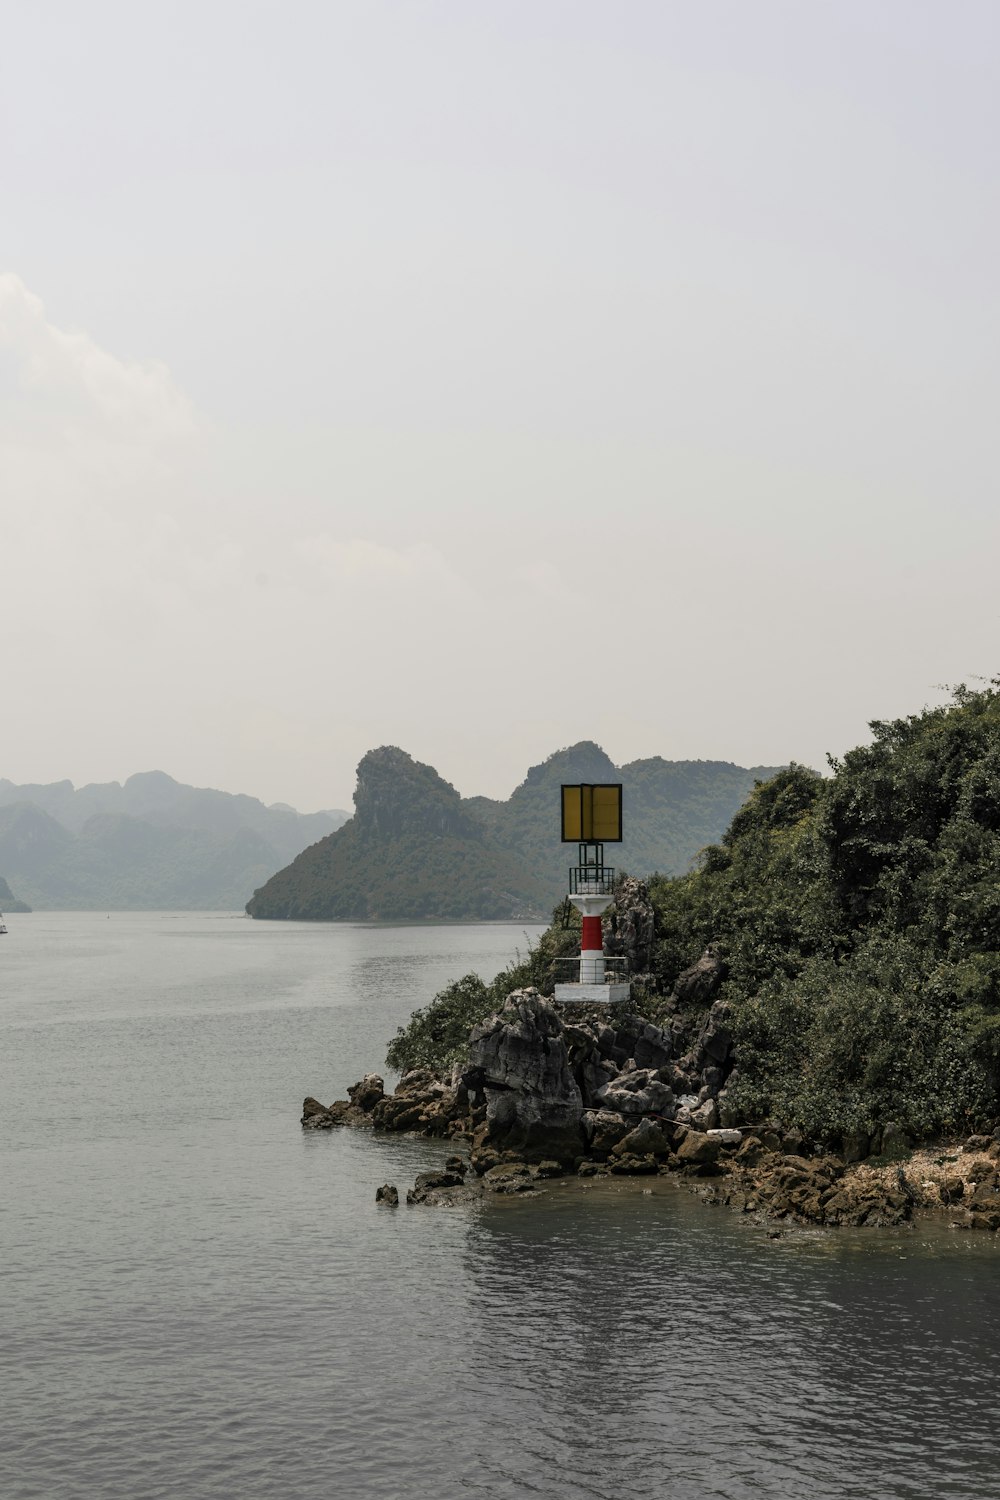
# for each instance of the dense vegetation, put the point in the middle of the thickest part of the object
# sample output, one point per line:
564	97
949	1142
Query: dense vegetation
416	849
859	918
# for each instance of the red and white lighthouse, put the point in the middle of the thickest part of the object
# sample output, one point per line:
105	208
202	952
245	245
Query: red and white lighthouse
592	817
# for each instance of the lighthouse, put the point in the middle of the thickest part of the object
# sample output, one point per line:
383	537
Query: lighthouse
591	818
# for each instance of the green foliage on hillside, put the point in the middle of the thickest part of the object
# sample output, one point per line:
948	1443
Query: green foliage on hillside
410	877
415	849
860	920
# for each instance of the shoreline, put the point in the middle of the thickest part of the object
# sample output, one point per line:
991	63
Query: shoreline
953	1185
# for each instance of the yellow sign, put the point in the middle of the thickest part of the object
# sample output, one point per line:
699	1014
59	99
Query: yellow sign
592	814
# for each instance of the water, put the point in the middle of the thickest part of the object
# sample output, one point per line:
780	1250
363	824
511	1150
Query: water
201	1300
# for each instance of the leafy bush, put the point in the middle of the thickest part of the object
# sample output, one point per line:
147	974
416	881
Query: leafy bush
435	1036
860	921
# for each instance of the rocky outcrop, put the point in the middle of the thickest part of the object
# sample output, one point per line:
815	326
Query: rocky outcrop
366	1094
629	926
439	1188
697	985
814	1191
637	1091
316	1116
518	1060
422	1102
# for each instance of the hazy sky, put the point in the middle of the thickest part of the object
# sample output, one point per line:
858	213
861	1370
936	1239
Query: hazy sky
480	376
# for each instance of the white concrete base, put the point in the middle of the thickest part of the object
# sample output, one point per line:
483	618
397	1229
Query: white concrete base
591	903
594	994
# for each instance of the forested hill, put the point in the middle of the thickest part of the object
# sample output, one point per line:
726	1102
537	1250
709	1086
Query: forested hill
148	843
416	849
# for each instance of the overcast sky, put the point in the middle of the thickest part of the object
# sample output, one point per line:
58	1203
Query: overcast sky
479	376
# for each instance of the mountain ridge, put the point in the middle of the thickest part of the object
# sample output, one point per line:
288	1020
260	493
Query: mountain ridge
150	842
416	849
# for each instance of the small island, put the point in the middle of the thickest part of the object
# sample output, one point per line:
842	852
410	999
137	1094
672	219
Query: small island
814	1031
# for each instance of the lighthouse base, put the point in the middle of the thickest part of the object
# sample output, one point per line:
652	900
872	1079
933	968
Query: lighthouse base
592	994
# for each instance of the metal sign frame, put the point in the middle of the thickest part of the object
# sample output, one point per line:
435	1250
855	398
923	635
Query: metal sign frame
582	833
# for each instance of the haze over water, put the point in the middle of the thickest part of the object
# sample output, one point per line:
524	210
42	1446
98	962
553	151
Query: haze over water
200	1300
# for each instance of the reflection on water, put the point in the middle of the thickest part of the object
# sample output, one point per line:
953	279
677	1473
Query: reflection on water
199	1300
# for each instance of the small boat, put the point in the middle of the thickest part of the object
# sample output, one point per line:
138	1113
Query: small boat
3	929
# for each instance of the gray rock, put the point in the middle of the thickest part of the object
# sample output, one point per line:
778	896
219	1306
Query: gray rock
436	1188
699	1149
635	1038
974	1143
638	1092
706	1116
366	1094
854	1145
698	984
509	1177
387	1194
593	1076
647	1139
630	924
533	1102
604	1128
340	1112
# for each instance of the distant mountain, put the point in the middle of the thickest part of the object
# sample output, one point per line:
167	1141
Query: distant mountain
416	849
150	843
8	901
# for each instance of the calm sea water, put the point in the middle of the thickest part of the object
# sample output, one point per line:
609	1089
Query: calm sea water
200	1300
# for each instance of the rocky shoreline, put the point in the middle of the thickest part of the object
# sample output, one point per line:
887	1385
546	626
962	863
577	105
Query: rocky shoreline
544	1094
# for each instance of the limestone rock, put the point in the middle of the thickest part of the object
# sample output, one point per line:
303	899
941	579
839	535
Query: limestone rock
698	1149
637	1092
316	1116
698	984
855	1145
646	1139
366	1094
509	1177
436	1188
533	1102
630	925
706	1116
387	1193
634	1037
604	1128
978	1143
422	1101
633	1166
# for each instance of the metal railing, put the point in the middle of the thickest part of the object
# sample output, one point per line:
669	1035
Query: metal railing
607	971
591	880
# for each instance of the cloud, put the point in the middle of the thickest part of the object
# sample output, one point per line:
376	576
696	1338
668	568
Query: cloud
65	393
94	451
